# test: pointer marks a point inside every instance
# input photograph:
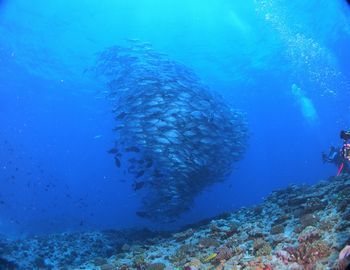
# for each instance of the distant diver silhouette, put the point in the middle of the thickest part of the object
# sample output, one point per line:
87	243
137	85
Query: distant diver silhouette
340	156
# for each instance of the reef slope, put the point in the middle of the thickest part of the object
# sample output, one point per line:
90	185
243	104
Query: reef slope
300	227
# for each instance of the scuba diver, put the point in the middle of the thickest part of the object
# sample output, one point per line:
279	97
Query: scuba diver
340	156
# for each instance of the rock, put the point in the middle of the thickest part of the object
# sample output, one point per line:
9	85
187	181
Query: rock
297	201
346	215
182	236
254	234
295	266
281	219
208	242
258	210
107	267
155	266
277	229
194	264
298	212
308	220
280	238
223	253
261	248
314	207
7	265
126	248
343	205
309	234
234	228
100	261
345	191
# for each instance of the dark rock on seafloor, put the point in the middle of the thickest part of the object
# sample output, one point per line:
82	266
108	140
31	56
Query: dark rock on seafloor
277	229
107	267
314	207
100	261
297	213
281	219
7	265
308	220
155	266
343	205
346	215
296	201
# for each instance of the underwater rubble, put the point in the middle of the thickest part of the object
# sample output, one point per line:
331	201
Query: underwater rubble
178	136
299	227
67	250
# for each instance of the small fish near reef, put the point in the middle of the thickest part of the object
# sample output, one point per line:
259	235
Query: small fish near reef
132	149
210	257
113	151
138	185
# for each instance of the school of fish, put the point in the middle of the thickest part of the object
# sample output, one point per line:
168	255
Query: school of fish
175	136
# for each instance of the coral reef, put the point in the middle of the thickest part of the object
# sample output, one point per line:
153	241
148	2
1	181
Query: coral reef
300	228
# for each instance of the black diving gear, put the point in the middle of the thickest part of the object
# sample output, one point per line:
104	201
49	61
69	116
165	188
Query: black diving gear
345	135
340	156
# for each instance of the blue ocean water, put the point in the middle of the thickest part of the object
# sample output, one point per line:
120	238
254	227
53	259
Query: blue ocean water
285	64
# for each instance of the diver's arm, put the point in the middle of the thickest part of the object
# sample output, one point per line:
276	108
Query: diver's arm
333	155
325	158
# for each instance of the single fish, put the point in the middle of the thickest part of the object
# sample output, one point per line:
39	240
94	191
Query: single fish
97	137
142	214
140	173
149	163
117	162
132	149
113	151
138	185
121	115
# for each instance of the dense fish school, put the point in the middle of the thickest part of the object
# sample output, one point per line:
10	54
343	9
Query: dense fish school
175	136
